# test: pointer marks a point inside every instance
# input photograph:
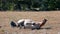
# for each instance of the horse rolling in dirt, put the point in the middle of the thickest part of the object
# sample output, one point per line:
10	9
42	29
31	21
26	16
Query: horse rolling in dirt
28	23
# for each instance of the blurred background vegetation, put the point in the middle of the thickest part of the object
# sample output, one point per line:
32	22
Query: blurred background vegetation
28	5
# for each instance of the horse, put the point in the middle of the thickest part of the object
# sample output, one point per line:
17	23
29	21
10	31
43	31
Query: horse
28	23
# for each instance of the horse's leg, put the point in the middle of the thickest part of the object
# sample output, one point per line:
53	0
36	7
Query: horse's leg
43	23
24	27
20	26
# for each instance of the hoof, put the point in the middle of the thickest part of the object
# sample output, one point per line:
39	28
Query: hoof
37	29
32	28
24	28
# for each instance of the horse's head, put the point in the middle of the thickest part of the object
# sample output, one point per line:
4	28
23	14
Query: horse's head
13	24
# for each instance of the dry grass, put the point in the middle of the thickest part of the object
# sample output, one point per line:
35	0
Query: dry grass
51	27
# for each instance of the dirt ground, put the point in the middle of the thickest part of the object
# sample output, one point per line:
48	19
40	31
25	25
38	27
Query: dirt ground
51	27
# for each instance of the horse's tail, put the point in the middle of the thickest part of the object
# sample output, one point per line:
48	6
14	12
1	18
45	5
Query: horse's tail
13	24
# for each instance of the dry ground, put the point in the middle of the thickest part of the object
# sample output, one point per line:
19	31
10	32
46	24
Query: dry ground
51	27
